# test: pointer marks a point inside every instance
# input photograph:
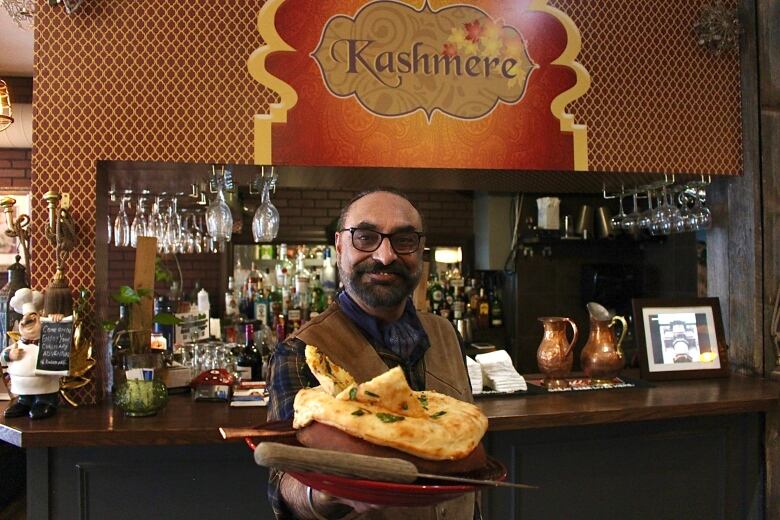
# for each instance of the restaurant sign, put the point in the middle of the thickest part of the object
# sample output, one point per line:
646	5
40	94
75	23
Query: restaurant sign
389	83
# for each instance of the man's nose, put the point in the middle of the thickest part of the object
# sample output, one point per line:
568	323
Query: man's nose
385	253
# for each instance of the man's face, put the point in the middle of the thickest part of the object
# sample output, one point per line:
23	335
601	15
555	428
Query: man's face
30	326
382	278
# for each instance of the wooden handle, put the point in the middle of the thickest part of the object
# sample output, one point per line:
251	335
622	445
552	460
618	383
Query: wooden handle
294	458
241	433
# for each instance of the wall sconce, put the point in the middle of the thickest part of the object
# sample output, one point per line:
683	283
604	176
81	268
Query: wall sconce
448	255
5	107
61	232
18	227
718	28
23	11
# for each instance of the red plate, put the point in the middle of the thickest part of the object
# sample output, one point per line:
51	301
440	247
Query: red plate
425	493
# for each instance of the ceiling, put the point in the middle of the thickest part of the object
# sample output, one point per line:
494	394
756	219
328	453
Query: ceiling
16	48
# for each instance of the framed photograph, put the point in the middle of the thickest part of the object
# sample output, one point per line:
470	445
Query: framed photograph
8	245
680	339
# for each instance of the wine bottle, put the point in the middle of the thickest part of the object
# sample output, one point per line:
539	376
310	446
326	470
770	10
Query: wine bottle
250	363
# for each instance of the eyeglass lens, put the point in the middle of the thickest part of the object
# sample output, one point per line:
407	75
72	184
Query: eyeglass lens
368	241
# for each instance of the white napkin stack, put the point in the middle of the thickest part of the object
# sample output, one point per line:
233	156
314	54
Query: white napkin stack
499	373
475	375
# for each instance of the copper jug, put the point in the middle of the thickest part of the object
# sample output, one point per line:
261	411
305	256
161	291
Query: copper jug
555	357
602	358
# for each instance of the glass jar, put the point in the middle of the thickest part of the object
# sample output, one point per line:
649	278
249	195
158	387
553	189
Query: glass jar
141	398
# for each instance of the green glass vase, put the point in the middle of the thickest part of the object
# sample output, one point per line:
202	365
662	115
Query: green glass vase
138	398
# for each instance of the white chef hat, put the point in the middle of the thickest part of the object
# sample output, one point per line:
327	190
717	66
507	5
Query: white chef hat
26	301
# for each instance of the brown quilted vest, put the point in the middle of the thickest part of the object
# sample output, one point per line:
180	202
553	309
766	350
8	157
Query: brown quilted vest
337	337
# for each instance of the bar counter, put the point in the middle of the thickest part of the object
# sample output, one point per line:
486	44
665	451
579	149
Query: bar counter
184	421
697	442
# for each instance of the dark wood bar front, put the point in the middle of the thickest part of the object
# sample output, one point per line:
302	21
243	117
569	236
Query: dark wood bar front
705	436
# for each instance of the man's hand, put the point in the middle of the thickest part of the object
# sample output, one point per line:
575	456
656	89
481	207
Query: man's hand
56	318
15	354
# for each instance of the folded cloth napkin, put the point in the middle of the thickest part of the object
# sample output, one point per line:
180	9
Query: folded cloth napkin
499	373
475	375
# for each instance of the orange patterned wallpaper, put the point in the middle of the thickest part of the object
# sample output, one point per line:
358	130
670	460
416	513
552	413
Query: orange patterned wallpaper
657	102
143	80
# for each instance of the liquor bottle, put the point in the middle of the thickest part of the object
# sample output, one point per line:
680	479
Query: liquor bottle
192	296
281	331
436	294
317	304
445	311
496	311
261	307
275	302
255	279
284	267
459	304
250	363
231	304
328	273
473	295
294	312
449	296
483	310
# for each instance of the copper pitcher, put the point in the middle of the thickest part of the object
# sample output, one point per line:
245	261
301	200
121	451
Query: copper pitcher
555	357
602	358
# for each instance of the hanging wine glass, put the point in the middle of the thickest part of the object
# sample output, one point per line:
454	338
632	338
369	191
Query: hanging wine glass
219	220
617	220
265	224
678	224
701	213
138	227
173	235
631	223
121	225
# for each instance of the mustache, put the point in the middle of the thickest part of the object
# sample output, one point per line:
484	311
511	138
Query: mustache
374	267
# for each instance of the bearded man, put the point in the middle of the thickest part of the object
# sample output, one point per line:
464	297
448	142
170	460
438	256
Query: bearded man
371	327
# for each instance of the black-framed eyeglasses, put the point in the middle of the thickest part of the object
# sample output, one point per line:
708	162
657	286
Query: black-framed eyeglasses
368	240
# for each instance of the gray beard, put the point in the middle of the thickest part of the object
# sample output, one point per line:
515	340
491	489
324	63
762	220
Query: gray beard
380	295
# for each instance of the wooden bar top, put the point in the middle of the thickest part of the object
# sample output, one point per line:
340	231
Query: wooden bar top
184	421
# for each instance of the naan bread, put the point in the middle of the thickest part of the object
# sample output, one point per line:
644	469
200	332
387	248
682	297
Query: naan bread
386	412
332	378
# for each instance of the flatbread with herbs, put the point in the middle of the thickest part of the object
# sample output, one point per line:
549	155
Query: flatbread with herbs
387	412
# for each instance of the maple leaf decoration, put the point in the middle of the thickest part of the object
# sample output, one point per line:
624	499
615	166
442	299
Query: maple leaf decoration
473	31
450	49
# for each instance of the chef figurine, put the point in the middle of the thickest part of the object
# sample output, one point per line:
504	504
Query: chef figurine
38	394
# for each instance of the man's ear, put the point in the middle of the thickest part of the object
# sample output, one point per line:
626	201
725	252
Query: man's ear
338	243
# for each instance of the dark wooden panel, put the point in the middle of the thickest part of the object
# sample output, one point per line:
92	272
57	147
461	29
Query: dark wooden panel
199	481
769	50
687	469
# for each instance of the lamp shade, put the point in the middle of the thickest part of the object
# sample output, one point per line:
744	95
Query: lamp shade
5	107
448	255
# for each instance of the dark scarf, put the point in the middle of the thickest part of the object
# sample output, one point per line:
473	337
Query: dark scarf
406	337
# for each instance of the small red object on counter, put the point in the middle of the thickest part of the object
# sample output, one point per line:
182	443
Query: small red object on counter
213	385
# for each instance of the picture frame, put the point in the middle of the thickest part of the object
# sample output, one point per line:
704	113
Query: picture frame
9	247
680	338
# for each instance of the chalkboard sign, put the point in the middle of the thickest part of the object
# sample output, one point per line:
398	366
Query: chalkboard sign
54	348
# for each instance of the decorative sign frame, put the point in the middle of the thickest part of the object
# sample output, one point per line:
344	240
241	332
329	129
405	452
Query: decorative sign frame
429	84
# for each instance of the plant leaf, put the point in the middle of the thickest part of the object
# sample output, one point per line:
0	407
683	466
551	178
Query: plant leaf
166	318
126	295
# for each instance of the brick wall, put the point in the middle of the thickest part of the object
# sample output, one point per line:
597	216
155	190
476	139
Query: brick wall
14	176
304	217
15	168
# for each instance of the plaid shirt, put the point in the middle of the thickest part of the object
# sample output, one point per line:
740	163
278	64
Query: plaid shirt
288	373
